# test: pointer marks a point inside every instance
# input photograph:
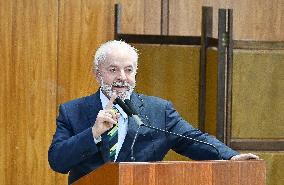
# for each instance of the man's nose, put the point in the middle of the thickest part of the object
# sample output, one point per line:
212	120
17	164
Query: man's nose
122	75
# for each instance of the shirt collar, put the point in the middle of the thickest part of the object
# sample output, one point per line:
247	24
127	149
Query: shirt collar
105	100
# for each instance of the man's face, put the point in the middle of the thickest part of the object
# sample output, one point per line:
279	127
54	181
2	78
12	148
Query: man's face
117	74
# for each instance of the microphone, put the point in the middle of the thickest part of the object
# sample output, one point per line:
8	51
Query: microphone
124	107
131	113
131	107
129	110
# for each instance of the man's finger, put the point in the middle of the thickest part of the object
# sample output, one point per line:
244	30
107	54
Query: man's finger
107	120
110	103
252	156
245	157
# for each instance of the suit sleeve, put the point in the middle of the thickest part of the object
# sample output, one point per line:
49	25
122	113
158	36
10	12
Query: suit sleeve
67	149
191	149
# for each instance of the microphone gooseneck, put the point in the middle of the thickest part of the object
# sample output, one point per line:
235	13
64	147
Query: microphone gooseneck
130	107
186	137
132	145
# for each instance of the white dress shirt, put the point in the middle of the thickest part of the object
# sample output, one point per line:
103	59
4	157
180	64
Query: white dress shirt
122	123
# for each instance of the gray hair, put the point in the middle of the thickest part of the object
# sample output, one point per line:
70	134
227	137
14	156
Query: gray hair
106	48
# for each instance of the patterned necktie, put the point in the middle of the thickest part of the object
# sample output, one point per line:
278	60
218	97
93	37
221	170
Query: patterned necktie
113	139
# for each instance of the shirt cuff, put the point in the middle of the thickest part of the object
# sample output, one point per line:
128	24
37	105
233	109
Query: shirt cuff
99	139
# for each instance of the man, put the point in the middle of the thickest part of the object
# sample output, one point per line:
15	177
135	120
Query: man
86	127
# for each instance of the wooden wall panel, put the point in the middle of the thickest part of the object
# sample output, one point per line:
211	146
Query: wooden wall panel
211	91
185	17
141	16
83	26
5	88
152	20
253	20
257	106
258	20
171	72
258	101
28	89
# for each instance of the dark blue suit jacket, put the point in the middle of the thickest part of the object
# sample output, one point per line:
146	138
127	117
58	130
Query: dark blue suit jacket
73	148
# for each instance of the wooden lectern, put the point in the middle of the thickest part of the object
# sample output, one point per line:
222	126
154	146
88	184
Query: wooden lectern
178	173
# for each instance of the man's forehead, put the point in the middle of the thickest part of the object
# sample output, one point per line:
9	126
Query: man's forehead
118	64
116	51
118	57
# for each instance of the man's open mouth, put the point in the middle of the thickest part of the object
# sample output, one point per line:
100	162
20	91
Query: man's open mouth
120	87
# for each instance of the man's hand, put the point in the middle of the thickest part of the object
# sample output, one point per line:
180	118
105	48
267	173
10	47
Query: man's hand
105	119
248	156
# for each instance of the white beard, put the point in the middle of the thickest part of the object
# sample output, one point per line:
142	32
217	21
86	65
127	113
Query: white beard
107	89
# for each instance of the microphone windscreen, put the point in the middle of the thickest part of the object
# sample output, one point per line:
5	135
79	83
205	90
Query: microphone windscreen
125	108
131	106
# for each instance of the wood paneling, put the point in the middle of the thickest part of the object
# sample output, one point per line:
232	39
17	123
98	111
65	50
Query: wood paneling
141	16
43	65
6	89
262	144
258	45
83	26
253	20
211	92
28	89
185	17
171	72
258	20
144	17
257	121
258	101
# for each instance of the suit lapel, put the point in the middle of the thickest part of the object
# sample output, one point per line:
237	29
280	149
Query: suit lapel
94	105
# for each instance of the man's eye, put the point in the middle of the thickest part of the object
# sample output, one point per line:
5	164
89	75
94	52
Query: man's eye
129	70
113	70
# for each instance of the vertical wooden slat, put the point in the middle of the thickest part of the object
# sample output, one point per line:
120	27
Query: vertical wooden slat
28	58
221	82
164	17
229	76
6	90
206	32
117	20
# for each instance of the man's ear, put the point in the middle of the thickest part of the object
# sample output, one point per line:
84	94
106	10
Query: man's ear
96	74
